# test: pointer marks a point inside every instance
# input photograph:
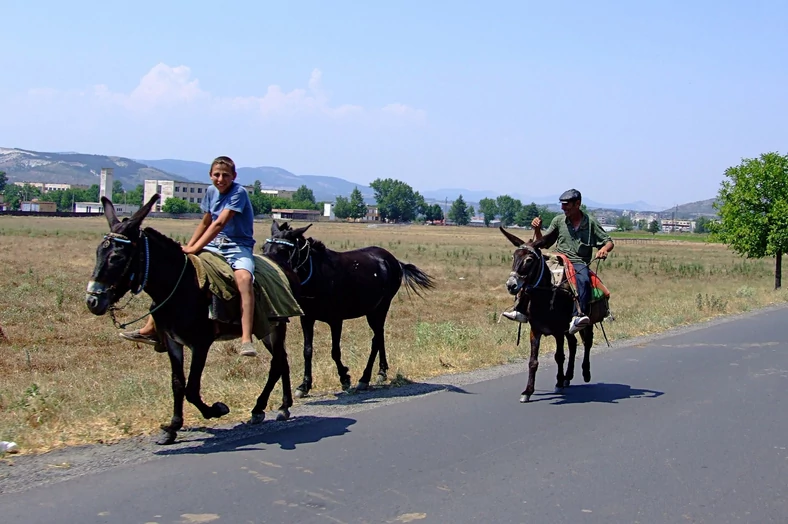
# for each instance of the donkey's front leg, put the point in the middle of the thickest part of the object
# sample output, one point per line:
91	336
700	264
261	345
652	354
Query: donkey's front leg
533	365
199	356
570	366
170	431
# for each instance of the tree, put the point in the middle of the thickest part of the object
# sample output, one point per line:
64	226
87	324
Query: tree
396	200
342	208
179	206
624	224
3	180
654	227
433	213
508	208
641	224
258	186
459	212
304	194
702	225
753	209
488	209
356	206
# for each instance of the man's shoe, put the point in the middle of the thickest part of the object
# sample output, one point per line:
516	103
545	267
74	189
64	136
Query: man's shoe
136	336
578	323
516	316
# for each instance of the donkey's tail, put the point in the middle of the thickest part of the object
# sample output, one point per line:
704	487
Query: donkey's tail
415	278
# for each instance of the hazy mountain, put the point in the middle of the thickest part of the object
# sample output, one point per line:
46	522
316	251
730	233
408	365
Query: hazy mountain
692	209
74	168
325	188
77	168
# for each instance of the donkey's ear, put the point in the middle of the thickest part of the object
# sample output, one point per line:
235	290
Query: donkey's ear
302	230
137	218
513	239
109	211
274	228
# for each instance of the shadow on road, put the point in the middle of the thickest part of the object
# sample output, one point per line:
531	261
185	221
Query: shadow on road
379	393
287	435
602	392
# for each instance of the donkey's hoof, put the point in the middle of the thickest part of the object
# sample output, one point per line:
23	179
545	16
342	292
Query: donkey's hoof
282	415
586	376
558	390
167	437
345	384
362	386
525	398
567	382
257	418
381	379
220	409
299	393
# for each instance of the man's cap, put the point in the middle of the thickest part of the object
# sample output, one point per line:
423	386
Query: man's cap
569	195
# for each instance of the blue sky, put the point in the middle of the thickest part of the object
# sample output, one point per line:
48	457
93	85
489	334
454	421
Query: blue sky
624	100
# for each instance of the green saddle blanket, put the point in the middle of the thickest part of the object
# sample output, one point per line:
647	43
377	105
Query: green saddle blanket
273	298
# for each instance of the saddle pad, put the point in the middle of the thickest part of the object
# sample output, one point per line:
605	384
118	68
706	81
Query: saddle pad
273	297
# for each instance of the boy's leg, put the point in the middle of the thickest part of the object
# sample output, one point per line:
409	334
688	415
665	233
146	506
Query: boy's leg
244	281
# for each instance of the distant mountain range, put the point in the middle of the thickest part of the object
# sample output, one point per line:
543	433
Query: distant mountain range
21	165
76	168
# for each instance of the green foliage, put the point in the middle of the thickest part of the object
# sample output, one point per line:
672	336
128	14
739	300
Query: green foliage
624	224
460	212
396	200
258	186
263	203
526	214
508	208
356	206
433	212
753	209
3	180
488	209
703	225
342	208
178	206
304	194
654	227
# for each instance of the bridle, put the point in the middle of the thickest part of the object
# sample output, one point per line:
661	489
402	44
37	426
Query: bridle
298	263
109	238
523	279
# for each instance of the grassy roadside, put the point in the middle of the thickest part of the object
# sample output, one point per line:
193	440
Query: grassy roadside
66	378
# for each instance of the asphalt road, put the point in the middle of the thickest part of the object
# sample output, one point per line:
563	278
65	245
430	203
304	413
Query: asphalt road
687	428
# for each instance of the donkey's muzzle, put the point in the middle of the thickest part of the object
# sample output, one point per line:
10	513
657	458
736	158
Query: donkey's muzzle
96	298
513	284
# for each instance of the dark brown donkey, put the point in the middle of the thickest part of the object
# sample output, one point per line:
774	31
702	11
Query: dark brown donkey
549	311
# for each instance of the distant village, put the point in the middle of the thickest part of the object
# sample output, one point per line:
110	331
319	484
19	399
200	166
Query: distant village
193	192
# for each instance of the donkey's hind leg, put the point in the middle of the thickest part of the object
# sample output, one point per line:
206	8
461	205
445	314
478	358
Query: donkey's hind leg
571	341
279	368
587	334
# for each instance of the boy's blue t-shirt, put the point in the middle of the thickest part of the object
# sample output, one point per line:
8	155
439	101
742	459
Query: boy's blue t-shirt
240	228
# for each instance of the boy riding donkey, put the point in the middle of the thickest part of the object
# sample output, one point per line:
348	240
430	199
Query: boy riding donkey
226	229
575	235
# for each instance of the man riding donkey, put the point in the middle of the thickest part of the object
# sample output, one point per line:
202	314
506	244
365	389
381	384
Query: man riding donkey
575	235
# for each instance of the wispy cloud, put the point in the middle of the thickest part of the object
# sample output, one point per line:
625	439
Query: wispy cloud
174	88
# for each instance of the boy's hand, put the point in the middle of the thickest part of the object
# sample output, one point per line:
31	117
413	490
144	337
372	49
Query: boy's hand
189	250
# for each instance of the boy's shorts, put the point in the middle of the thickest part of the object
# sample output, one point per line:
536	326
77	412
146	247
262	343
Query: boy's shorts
239	257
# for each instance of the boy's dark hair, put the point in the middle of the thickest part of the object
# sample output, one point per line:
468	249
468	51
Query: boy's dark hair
225	161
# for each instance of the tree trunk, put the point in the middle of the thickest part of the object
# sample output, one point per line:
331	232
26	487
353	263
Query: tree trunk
778	270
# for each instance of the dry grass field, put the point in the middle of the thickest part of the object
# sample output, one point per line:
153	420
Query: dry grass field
67	378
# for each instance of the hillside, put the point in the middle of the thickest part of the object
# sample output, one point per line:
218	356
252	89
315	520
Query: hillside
692	209
325	188
21	165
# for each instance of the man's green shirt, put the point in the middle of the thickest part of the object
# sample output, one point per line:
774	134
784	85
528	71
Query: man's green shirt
577	244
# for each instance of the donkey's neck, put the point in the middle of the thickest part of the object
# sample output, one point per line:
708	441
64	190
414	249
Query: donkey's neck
166	268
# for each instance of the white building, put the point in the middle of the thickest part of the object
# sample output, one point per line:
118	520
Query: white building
193	192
